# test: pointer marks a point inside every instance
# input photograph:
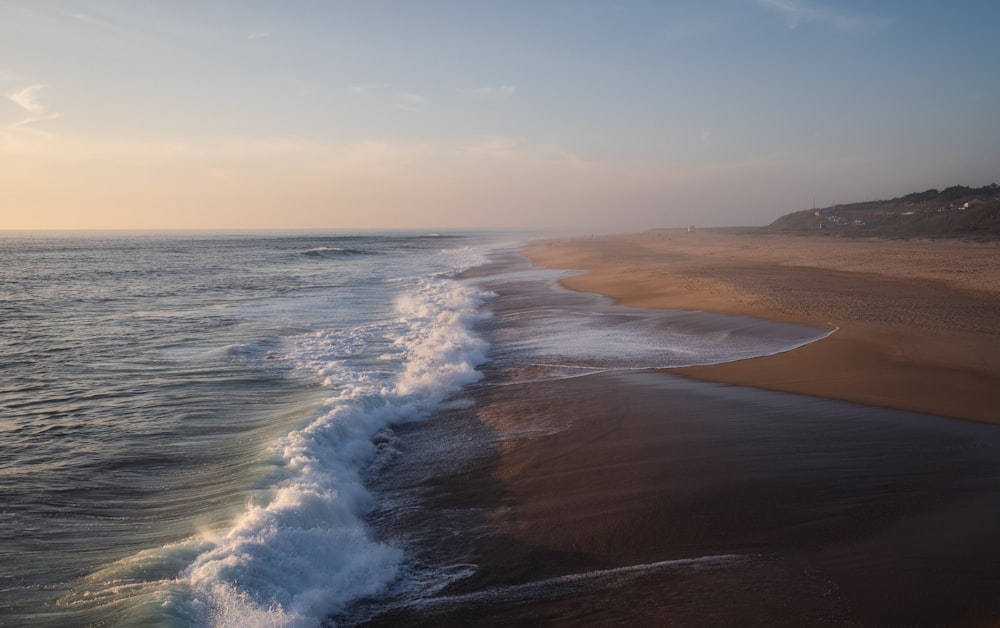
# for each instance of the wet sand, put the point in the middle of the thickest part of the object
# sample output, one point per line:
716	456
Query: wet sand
918	322
644	498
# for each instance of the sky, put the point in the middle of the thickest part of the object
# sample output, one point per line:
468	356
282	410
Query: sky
581	115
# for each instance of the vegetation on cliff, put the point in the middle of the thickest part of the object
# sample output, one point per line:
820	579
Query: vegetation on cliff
958	211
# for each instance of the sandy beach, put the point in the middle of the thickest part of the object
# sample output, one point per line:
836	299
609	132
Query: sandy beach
648	498
918	322
645	499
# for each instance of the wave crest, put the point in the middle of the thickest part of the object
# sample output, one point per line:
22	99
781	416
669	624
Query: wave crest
306	552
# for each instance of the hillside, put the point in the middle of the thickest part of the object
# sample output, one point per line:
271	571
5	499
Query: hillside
957	212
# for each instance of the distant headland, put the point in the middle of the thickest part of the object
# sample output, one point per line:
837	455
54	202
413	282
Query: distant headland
955	212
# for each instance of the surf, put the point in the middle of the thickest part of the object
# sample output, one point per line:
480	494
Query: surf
303	551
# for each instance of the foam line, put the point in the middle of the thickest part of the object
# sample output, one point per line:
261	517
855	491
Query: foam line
563	585
306	552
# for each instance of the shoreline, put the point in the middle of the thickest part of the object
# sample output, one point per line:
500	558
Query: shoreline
644	498
918	323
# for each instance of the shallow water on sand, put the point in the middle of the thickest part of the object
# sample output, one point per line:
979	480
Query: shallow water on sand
630	497
542	328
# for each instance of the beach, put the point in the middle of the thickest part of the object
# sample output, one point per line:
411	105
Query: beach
400	429
917	322
822	486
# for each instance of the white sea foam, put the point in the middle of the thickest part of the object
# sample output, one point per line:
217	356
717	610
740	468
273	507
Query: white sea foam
561	333
429	601
305	552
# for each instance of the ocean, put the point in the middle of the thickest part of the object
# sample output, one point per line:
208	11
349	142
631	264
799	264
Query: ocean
196	428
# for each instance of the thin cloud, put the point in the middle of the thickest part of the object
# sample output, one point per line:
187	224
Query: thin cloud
27	99
488	92
7	75
706	137
86	18
408	101
686	29
363	90
798	11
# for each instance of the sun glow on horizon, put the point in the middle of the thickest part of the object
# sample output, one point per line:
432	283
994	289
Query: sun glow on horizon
451	115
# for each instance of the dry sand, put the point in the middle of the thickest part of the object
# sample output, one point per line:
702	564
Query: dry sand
634	498
918	322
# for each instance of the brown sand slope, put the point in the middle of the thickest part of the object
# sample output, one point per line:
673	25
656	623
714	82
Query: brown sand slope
918	321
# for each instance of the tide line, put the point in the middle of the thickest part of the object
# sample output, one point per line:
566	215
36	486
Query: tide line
561	586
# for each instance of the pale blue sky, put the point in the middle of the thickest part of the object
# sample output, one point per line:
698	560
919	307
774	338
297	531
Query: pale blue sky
598	115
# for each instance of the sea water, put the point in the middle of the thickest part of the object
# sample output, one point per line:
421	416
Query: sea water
185	419
189	423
